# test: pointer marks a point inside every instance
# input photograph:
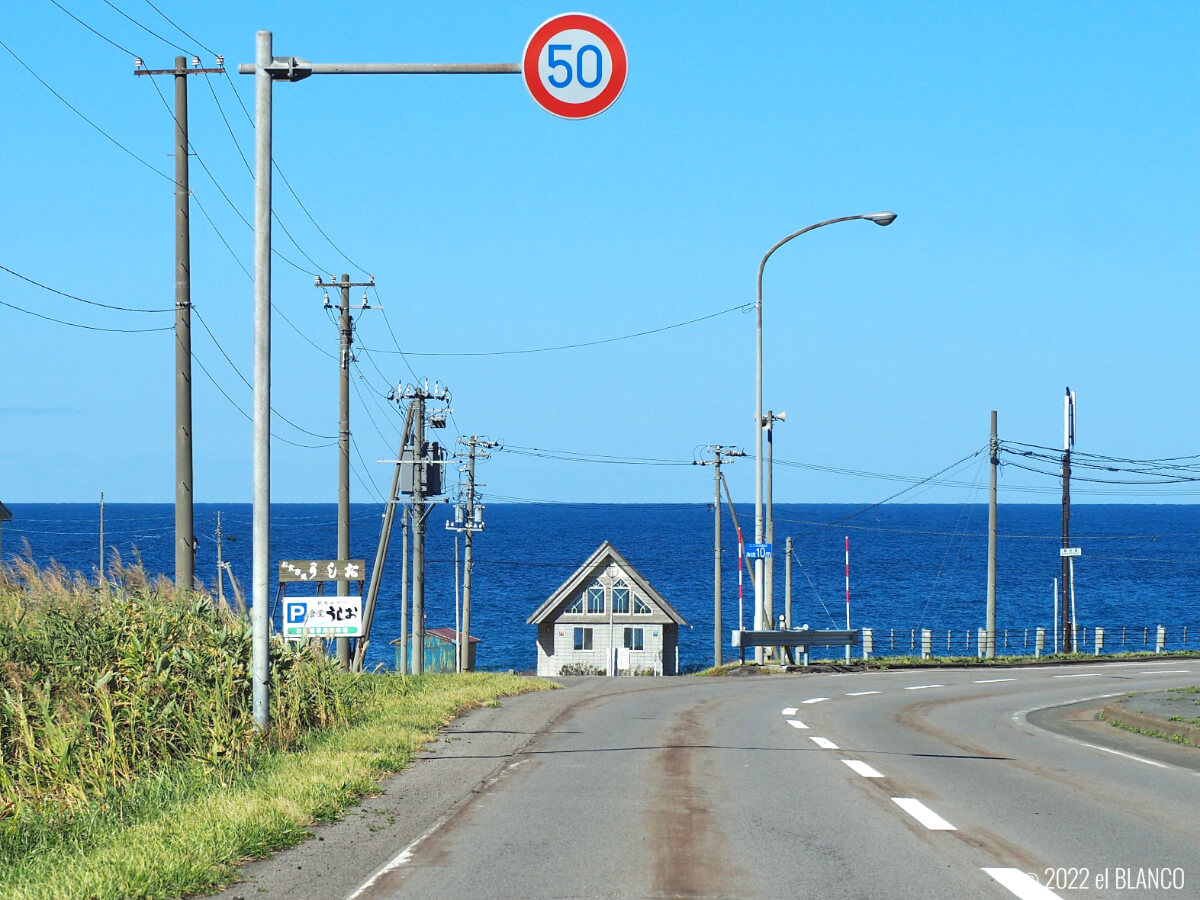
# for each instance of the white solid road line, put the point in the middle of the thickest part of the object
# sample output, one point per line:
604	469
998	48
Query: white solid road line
814	700
796	723
862	768
1022	885
790	711
861	693
922	687
993	680
923	814
824	743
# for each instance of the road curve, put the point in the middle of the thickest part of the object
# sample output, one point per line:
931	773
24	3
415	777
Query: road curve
918	783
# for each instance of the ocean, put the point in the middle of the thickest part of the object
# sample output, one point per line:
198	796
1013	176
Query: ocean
912	567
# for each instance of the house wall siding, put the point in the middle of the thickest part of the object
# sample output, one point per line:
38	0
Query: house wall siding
556	635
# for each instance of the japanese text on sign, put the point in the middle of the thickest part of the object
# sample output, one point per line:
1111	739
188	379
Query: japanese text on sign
321	569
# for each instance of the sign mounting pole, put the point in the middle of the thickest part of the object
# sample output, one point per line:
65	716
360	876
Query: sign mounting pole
575	67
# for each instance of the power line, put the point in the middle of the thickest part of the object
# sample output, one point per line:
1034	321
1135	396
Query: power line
45	287
177	28
85	118
581	344
30	312
148	31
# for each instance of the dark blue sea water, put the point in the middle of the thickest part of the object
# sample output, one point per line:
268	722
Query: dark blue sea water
911	566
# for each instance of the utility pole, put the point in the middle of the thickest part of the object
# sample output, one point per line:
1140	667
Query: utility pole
468	519
769	421
994	448
220	567
720	454
1068	625
385	537
787	587
423	480
185	537
346	339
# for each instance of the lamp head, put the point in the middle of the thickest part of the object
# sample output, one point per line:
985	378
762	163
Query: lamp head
881	218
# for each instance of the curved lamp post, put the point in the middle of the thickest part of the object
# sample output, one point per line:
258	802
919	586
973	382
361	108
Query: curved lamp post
760	602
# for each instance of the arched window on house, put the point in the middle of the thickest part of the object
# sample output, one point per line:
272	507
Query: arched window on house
595	598
620	595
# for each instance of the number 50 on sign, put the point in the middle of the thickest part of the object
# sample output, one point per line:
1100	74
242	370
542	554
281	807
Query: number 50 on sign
574	66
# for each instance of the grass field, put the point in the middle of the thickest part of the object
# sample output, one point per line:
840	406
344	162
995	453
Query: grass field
130	765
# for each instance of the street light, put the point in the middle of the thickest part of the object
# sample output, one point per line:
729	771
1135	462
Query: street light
879	218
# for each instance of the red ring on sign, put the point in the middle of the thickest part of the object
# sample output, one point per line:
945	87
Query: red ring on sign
533	51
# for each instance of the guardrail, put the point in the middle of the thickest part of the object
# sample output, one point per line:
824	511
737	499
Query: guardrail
1034	641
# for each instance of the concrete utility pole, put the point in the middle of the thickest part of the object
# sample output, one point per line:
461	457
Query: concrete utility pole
346	339
769	573
426	481
385	537
787	587
468	519
720	454
102	535
1068	626
418	512
994	448
185	537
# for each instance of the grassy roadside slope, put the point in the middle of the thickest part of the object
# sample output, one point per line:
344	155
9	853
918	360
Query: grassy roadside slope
184	830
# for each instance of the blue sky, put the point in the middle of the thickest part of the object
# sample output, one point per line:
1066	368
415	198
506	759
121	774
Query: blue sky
1041	157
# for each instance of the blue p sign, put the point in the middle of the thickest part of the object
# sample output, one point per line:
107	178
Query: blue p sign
297	612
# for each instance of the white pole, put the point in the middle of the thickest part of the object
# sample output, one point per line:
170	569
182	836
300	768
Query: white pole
1074	621
261	530
1056	616
612	649
847	595
457	623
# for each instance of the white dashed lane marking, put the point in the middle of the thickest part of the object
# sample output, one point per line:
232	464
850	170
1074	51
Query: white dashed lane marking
861	693
814	700
790	711
862	768
923	814
993	680
796	723
923	687
824	743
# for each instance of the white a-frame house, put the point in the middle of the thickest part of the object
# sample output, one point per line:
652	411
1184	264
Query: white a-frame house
606	619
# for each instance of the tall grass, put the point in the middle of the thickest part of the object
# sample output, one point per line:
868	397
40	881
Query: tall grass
105	681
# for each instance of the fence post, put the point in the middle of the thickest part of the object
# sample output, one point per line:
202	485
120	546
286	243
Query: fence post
868	642
981	639
1099	632
1039	642
1161	640
926	643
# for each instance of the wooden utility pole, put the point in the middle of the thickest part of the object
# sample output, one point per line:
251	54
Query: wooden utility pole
994	448
185	537
720	454
1068	626
345	341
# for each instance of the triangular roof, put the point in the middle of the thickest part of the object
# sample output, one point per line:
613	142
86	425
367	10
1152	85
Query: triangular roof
605	554
5	515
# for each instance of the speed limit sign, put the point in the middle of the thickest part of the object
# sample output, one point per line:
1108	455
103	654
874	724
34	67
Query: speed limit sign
574	66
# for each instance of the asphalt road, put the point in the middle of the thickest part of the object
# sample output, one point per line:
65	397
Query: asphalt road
918	783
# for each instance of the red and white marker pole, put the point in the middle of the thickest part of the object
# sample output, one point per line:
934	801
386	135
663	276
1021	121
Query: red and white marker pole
847	595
